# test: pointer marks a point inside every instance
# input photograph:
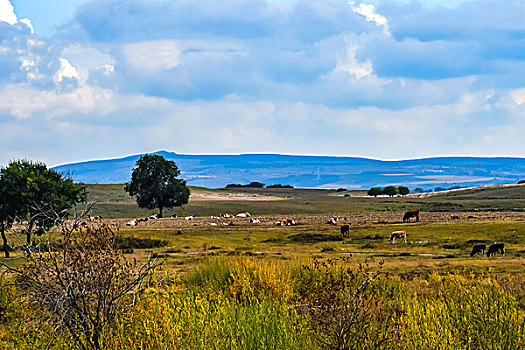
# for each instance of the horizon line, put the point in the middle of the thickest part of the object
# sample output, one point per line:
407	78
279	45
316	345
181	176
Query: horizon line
289	154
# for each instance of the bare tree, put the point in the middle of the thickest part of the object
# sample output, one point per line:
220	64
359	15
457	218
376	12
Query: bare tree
80	282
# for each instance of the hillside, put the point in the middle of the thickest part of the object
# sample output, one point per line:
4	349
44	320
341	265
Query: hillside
214	171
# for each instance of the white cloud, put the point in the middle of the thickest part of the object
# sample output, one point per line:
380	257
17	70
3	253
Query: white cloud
153	55
350	64
7	12
28	23
518	96
369	12
66	71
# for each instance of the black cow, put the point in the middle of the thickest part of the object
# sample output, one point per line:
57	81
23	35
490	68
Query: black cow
345	230
478	248
495	248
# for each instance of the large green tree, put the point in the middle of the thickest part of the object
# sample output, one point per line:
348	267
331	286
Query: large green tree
375	191
390	191
154	181
403	190
42	197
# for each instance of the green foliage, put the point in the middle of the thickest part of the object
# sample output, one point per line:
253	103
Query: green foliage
154	182
253	184
390	191
521	182
375	191
403	190
279	186
41	196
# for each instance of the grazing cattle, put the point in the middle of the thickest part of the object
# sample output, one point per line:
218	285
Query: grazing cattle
455	217
94	218
332	221
179	232
153	217
345	230
398	234
143	220
188	218
243	215
478	248
255	221
131	223
495	248
411	214
285	222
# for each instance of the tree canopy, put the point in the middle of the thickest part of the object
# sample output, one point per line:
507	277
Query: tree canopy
375	191
154	182
31	192
403	190
390	191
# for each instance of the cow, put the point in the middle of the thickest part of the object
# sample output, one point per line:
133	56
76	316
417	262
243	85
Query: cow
131	223
398	234
455	217
332	221
255	221
478	248
345	230
411	214
495	248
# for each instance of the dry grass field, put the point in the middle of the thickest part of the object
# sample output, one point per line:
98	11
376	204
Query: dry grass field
229	283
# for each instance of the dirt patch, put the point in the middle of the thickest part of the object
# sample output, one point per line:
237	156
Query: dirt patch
233	197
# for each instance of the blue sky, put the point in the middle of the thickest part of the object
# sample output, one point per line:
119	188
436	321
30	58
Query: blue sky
383	79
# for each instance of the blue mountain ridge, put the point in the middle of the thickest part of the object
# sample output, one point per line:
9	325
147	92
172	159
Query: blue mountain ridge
215	171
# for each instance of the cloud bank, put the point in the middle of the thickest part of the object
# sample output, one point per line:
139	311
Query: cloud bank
384	79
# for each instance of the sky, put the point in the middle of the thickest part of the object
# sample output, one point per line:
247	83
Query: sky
397	79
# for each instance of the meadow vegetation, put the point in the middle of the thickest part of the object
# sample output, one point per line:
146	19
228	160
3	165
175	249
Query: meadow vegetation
238	285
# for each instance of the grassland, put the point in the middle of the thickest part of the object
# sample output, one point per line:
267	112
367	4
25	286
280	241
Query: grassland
229	283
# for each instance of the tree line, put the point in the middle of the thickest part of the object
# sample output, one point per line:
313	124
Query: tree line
388	191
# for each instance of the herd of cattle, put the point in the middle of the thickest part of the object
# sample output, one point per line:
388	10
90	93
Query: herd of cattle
478	249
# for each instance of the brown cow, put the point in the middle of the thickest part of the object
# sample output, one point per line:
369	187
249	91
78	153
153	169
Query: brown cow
410	214
398	234
455	217
345	230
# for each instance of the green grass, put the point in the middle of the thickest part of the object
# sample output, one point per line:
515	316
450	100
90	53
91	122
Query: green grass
113	202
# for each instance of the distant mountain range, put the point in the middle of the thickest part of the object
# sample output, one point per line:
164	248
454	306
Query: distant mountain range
215	171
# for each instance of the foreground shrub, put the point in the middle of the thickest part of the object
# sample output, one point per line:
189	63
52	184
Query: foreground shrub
83	286
456	312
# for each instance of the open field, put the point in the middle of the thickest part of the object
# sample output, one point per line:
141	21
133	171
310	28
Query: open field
113	202
230	283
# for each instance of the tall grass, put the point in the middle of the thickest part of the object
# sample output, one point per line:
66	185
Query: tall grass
249	304
458	312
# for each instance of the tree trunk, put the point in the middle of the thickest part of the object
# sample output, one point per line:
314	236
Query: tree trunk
160	211
28	238
4	238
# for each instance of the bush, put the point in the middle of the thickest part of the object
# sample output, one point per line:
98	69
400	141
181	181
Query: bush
521	182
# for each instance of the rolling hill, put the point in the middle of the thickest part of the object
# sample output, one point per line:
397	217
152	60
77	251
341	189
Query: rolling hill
214	171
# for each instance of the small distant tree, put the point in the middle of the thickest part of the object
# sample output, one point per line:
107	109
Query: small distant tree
390	191
42	197
521	182
255	184
279	186
403	190
375	191
154	181
419	190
